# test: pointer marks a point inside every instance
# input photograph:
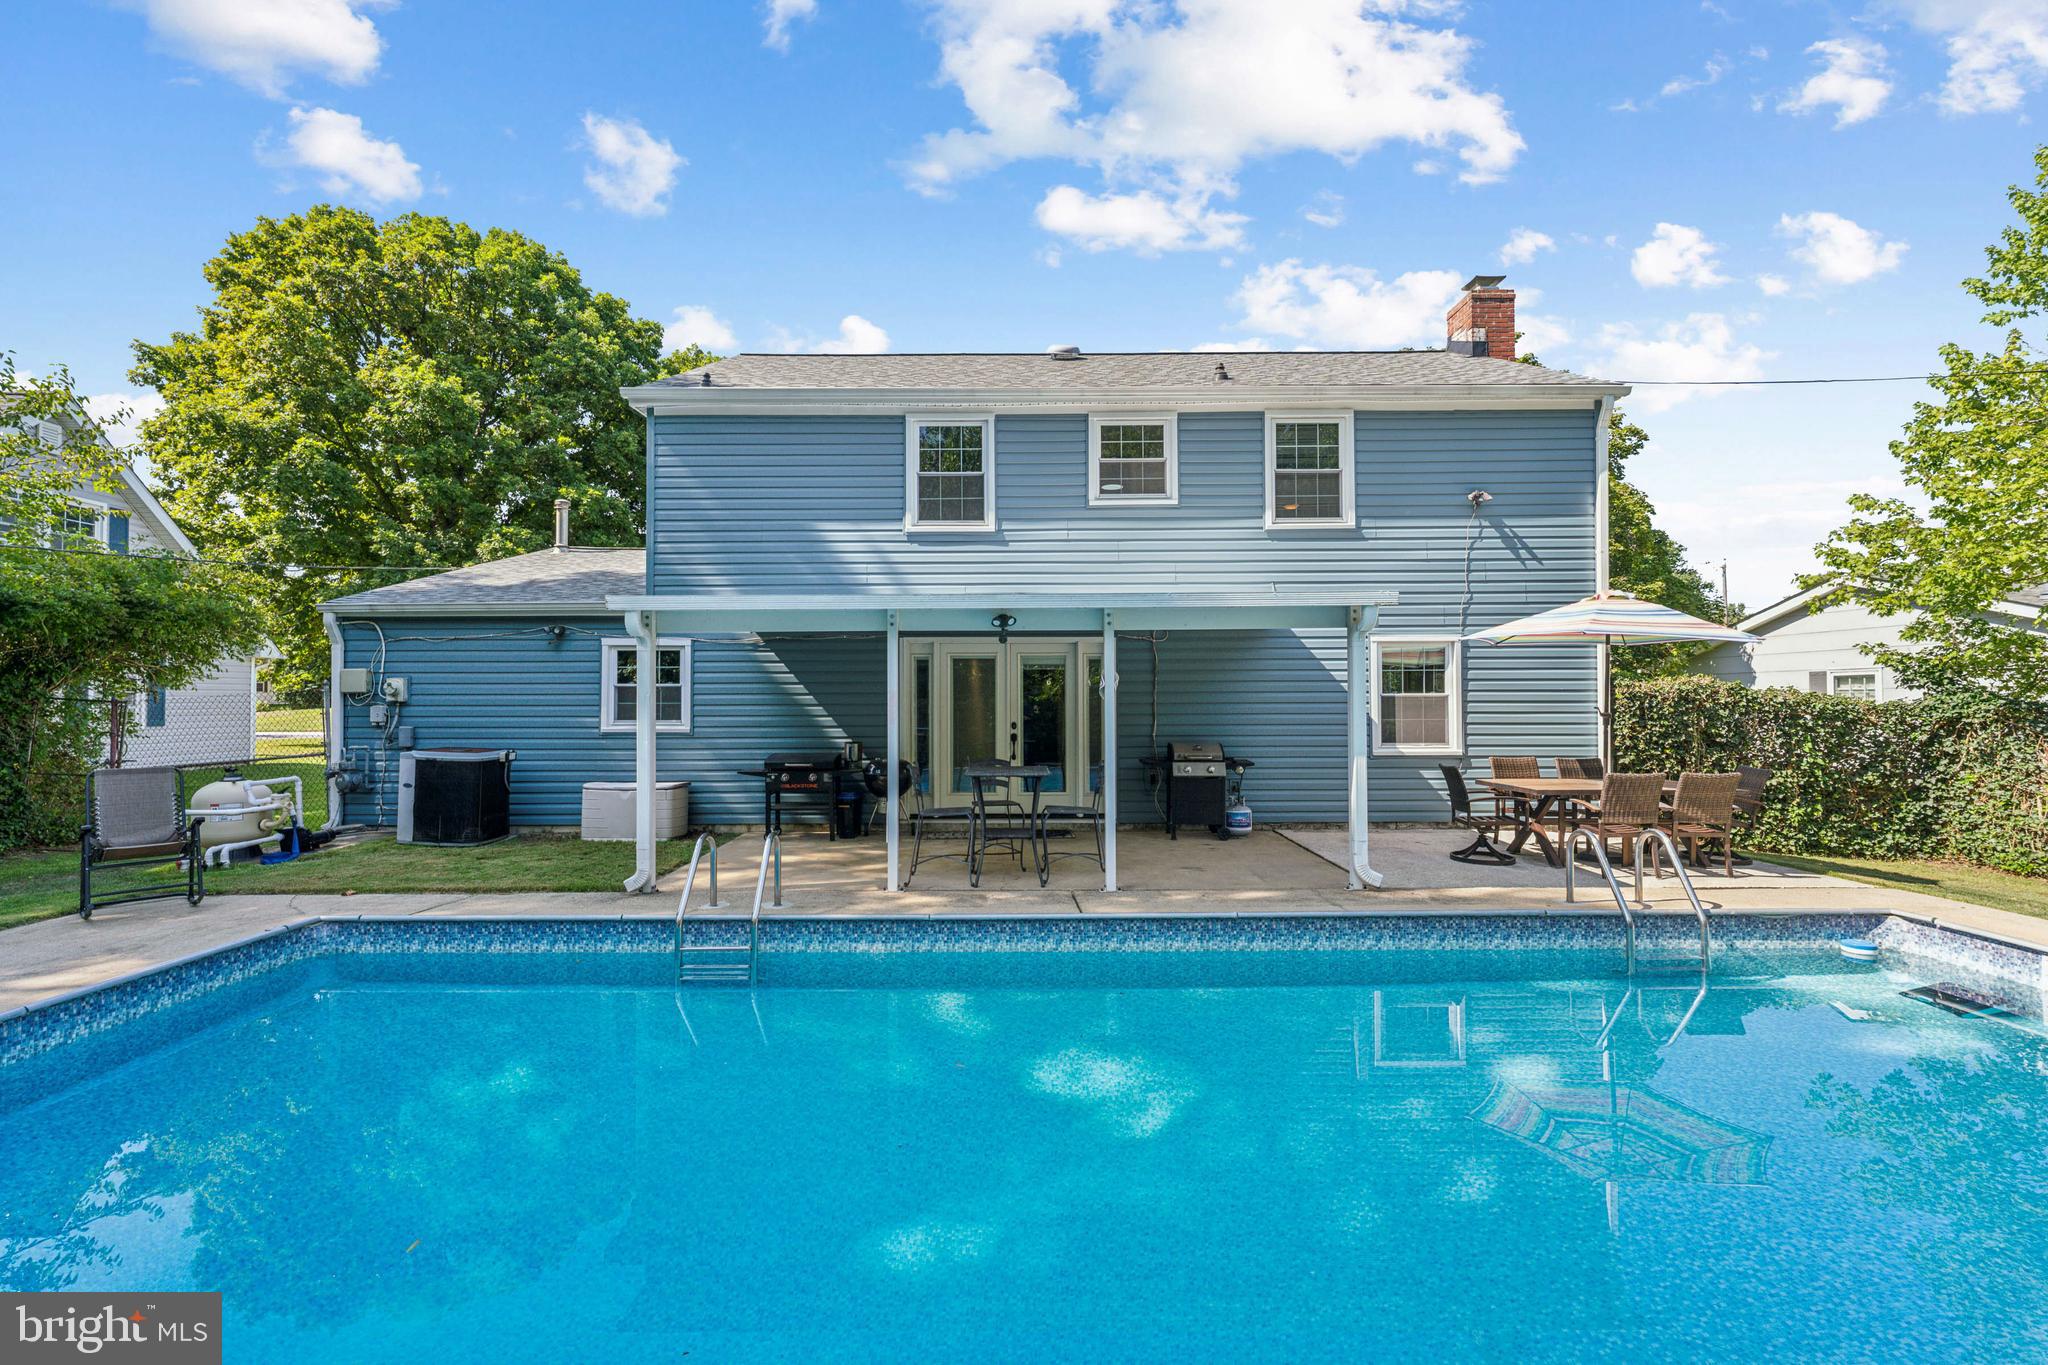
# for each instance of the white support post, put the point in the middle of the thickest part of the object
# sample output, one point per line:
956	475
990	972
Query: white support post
640	625
337	714
1108	751
1358	734
894	747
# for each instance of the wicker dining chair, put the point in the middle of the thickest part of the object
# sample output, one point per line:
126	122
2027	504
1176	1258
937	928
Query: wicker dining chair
1631	805
1482	815
1515	766
1703	811
1582	768
1749	793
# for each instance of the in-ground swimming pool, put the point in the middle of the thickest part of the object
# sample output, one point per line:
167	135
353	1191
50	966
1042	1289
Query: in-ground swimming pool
1128	1154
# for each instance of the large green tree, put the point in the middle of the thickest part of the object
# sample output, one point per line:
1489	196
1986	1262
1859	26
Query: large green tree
1974	530
406	393
83	628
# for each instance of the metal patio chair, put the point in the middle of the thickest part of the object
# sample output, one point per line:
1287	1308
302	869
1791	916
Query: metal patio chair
133	815
1071	816
1482	815
924	813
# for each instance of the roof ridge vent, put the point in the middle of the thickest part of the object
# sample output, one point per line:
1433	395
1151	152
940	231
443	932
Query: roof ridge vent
1064	352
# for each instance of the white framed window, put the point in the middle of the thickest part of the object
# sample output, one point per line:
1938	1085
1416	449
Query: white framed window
81	524
1417	695
619	693
1859	685
949	473
1309	462
1133	460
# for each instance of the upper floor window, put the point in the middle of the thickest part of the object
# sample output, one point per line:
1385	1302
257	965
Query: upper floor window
621	688
1308	470
951	474
1134	459
79	526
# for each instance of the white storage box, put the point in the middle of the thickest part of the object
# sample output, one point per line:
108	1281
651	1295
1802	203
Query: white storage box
608	810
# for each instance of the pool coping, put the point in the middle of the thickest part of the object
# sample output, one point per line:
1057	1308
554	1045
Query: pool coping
140	974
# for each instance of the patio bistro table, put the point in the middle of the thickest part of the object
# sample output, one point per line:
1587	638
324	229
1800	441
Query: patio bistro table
982	774
1536	796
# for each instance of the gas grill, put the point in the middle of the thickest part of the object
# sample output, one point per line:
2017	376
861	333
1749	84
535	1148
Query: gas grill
1199	778
803	774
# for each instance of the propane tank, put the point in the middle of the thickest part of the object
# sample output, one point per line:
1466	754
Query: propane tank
1237	818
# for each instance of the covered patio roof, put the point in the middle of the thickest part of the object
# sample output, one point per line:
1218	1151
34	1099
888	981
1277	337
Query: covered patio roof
890	614
967	610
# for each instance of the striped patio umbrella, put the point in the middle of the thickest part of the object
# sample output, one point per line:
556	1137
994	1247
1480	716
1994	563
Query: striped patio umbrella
1608	619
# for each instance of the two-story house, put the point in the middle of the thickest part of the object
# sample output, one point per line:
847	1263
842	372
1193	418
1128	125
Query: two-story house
1067	557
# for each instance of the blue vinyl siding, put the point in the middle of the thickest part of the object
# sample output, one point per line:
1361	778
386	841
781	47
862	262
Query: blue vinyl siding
810	504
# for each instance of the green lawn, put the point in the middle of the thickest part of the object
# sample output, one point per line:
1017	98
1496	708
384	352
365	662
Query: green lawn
270	719
37	886
1957	881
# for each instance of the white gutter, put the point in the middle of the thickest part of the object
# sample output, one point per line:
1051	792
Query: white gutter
668	400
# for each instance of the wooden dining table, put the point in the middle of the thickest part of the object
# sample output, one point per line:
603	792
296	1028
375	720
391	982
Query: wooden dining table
1536	798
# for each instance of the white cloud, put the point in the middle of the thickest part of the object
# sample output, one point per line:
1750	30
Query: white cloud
1326	209
781	14
1348	306
1523	246
634	170
1852	80
1997	49
1837	250
1674	255
261	43
696	325
1773	286
857	336
1175	99
1144	221
1702	347
1541	334
348	159
1710	74
121	415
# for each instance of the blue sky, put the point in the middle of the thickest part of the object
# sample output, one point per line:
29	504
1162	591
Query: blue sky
1736	189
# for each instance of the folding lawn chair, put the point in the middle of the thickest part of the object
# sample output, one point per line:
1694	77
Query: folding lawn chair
133	816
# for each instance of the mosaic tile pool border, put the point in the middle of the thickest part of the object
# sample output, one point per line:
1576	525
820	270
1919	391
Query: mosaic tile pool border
36	1028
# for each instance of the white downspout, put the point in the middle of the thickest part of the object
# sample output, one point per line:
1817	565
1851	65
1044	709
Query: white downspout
336	710
640	625
1357	734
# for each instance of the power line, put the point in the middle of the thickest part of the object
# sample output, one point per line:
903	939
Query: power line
243	563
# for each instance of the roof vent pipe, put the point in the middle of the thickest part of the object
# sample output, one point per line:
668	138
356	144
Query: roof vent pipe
561	523
1222	375
1065	352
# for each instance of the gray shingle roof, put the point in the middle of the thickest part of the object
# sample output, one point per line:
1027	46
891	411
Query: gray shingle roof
579	576
2032	597
1118	370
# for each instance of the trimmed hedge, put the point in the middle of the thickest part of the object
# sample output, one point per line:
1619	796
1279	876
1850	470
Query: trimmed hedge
1954	776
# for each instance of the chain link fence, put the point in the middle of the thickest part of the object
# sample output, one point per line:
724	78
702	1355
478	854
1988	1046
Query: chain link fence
208	735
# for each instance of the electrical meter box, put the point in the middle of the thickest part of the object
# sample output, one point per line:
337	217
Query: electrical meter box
395	689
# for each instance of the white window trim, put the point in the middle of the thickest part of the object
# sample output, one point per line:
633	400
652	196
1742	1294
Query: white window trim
1876	676
987	422
1096	422
100	512
1454	691
1347	456
608	673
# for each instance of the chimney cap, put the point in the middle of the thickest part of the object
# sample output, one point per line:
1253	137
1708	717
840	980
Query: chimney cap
1483	282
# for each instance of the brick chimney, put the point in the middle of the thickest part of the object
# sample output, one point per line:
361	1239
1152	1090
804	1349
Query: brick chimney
1482	321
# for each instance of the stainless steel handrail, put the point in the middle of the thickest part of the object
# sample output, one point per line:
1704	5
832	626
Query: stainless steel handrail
771	850
1571	886
704	841
1677	865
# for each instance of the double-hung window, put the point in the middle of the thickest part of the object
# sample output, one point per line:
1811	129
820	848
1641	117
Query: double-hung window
1133	460
620	697
1308	470
78	526
951	473
1416	695
1861	686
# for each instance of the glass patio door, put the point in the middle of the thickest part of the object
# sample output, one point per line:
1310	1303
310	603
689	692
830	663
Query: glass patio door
1018	702
970	714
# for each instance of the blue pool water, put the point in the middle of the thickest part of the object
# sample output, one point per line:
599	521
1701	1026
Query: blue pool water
1462	1156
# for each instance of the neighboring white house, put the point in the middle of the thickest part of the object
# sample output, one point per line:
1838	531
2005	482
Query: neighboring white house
212	719
1820	651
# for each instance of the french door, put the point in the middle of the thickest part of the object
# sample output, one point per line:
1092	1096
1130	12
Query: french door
1027	700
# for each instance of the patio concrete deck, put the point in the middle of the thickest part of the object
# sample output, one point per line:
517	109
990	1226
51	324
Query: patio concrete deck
1292	871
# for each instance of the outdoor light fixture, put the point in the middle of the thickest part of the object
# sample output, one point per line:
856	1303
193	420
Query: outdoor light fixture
1478	497
1002	621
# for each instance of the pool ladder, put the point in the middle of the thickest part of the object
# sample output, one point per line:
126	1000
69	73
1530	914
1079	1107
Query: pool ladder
709	962
1628	916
